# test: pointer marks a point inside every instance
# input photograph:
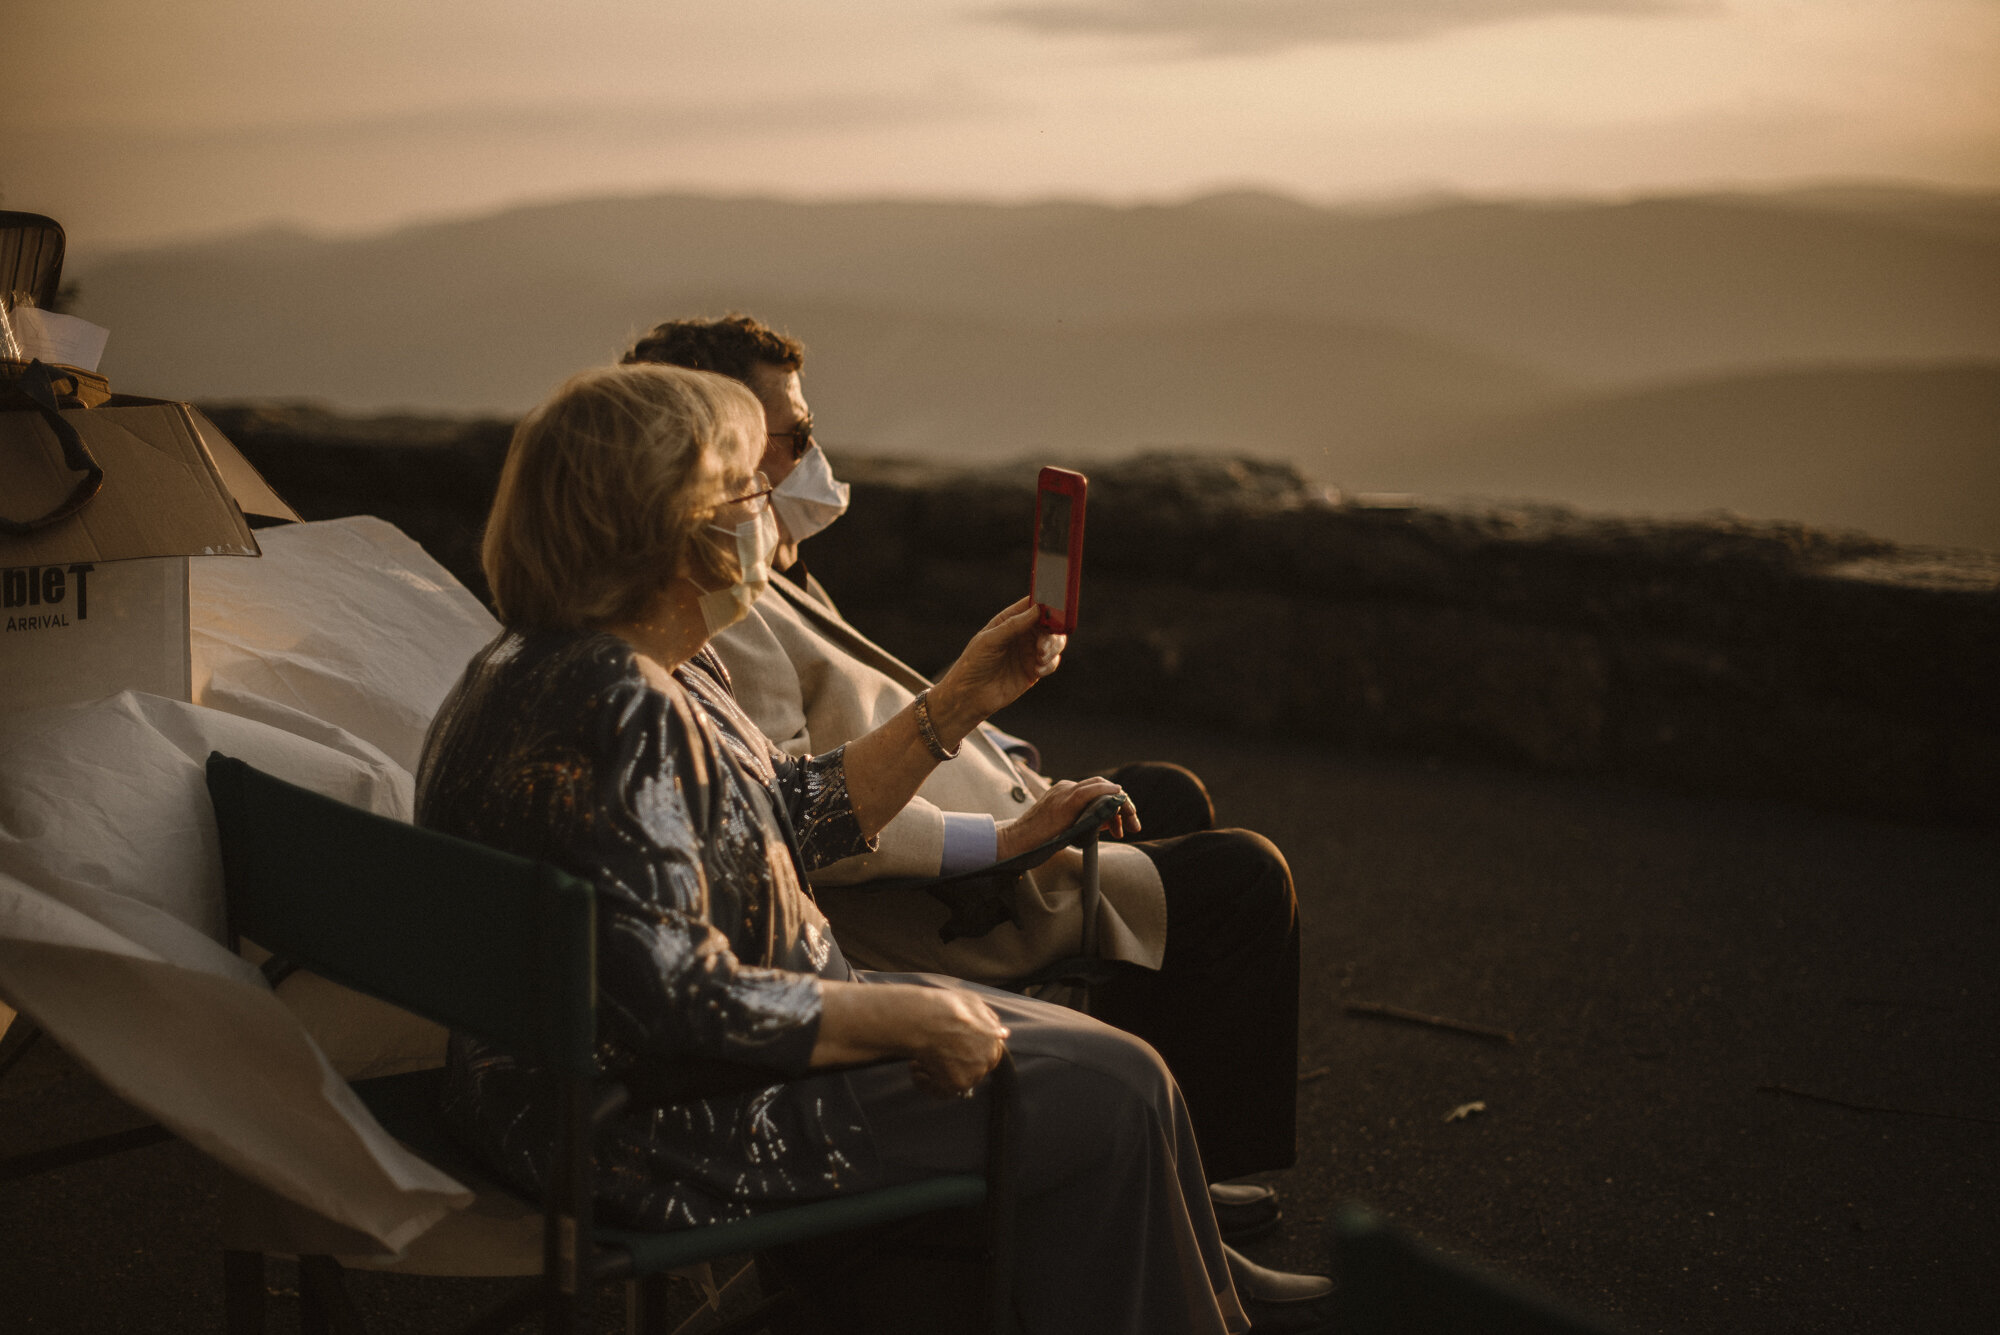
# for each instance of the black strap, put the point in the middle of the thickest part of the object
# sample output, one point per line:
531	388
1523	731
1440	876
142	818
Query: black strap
37	383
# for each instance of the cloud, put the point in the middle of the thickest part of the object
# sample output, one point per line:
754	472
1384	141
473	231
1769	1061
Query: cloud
1230	26
582	121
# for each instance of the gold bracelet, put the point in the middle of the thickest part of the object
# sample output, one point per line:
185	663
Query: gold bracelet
925	730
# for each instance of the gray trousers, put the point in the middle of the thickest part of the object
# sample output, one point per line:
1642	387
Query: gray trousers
1116	1233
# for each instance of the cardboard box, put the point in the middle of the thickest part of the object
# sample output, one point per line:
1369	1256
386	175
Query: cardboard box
99	602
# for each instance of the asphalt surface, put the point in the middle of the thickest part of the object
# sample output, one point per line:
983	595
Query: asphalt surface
1669	967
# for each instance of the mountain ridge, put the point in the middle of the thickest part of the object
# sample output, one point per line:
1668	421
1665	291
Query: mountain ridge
1903	452
1596	294
1339	339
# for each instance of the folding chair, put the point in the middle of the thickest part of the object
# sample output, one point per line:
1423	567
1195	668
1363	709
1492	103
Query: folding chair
1392	1284
504	948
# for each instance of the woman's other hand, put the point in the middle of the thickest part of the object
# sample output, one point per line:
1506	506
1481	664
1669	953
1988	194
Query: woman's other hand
1010	654
1053	812
951	1037
961	1039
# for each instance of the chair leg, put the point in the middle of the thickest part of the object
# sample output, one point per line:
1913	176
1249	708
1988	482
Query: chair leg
566	1313
243	1293
325	1306
740	1294
646	1300
999	1217
1091	895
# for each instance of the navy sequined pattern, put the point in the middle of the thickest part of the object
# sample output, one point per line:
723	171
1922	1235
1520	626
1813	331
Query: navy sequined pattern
697	833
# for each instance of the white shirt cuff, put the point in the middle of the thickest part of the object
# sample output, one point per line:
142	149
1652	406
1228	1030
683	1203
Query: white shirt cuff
971	839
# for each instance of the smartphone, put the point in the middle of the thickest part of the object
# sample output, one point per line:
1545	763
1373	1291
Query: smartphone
1059	496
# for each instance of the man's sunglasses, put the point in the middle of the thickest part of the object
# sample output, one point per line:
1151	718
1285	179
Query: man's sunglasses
799	437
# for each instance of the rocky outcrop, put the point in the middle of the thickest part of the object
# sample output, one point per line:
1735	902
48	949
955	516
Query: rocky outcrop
1718	657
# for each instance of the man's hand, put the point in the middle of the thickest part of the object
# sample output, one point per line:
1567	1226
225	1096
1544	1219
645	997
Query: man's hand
1054	810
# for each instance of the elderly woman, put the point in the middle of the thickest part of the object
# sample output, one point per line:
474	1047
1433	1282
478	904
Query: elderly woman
598	732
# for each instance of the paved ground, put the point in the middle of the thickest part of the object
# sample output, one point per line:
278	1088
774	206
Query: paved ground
1662	961
1665	963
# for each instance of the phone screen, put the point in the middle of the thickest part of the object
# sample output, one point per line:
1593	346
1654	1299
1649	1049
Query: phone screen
1052	524
1059	497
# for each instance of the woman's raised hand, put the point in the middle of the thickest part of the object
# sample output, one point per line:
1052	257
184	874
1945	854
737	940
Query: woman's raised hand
885	767
1010	654
1054	810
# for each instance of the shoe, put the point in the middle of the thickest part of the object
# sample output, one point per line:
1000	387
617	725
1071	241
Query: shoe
1244	1211
1279	1302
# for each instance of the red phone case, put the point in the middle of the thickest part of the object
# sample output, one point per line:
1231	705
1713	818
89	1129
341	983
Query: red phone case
1058	487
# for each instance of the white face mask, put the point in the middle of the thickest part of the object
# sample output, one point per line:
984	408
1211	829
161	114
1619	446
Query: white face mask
809	499
756	539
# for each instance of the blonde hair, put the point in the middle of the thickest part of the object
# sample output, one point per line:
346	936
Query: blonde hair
606	490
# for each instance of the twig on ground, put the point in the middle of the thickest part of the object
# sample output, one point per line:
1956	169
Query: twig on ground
1317	1072
1383	1011
1874	1107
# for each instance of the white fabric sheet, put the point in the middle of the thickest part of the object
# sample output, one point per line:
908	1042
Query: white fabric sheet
320	662
347	621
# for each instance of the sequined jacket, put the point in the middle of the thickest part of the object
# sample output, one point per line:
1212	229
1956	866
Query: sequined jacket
695	831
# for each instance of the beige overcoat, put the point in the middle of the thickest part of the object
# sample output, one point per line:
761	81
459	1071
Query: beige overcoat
812	682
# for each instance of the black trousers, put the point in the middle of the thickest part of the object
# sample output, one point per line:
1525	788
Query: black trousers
1223	1008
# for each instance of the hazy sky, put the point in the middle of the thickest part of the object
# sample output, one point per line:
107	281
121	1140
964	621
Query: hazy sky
135	120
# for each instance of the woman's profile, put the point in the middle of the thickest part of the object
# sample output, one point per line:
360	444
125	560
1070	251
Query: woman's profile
599	733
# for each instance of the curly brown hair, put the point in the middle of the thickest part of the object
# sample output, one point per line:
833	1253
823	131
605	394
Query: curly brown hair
731	346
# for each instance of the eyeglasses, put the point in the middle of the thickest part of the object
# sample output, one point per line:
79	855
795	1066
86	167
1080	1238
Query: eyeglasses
761	491
800	436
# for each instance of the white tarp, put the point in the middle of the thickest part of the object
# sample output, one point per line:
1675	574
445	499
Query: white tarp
322	663
348	621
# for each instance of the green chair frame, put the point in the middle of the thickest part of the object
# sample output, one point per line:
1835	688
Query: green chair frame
504	948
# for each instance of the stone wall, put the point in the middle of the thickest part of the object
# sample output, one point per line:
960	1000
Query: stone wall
1715	657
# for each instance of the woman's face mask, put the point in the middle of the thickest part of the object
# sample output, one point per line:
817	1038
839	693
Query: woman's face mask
755	540
809	499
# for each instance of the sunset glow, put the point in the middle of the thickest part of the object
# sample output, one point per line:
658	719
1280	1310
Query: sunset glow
218	115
